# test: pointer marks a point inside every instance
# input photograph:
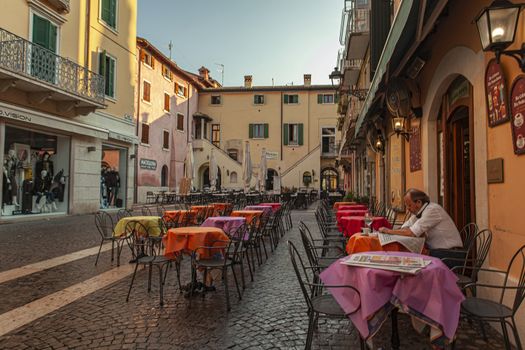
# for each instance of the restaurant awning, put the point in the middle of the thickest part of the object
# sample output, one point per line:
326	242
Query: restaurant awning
399	38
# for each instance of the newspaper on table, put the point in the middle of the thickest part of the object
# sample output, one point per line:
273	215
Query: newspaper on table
398	263
413	244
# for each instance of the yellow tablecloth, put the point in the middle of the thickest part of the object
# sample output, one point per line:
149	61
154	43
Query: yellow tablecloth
151	223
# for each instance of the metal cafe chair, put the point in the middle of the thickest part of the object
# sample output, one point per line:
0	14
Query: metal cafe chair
485	310
318	303
104	224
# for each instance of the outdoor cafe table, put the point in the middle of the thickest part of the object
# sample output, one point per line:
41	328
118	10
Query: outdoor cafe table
342	213
221	207
338	204
187	239
248	214
352	207
360	244
354	224
229	224
275	206
151	223
180	215
431	297
267	209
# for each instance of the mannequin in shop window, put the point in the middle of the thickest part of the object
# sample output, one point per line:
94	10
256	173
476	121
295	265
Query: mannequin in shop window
42	190
45	163
58	186
10	185
103	188
112	181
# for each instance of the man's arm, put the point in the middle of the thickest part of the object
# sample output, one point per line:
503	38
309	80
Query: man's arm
400	232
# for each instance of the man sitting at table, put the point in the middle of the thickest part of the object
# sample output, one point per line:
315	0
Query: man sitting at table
428	219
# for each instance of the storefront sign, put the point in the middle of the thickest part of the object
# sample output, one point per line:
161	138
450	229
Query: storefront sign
149	164
496	92
14	115
517	110
121	137
272	155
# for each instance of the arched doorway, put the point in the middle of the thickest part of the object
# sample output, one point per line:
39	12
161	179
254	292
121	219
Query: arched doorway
456	176
269	179
206	178
329	180
164	176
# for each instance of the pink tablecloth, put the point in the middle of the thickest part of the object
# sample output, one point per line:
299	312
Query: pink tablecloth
229	224
431	295
353	224
275	206
352	207
267	209
342	213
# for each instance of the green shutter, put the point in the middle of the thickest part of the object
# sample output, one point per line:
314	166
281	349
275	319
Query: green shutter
336	98
286	99
250	131
266	131
102	63
301	142
113	13
111	78
41	31
319	98
285	134
105	11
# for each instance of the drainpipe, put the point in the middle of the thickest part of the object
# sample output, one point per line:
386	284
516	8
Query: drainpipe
88	27
139	86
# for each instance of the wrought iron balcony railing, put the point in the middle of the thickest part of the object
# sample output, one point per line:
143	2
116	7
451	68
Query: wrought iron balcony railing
32	61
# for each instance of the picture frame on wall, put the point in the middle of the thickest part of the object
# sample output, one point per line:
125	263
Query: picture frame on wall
517	111
496	94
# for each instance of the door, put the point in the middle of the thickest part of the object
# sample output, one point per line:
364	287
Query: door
460	182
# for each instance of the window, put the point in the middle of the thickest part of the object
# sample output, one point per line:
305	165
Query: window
145	134
45	33
148	60
234	154
293	134
258	99
107	68
215	99
258	131
164	176
166	139
146	94
108	12
291	99
180	122
326	98
181	90
167	98
216	134
166	72
233	177
328	141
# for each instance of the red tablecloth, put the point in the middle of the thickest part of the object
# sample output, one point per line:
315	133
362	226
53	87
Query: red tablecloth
342	213
352	207
338	204
353	224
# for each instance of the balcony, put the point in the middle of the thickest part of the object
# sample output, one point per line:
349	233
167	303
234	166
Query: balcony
351	69
45	76
329	149
357	32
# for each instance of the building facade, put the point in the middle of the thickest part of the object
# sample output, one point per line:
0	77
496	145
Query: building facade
295	125
448	119
66	106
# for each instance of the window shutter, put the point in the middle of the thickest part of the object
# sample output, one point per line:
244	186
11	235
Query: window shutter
286	99
41	31
319	98
185	92
113	13
52	38
250	131
111	78
106	11
336	98
102	63
301	142
285	135
176	88
152	62
142	56
266	131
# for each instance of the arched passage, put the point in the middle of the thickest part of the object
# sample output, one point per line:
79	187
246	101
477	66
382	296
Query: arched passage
329	179
270	179
206	178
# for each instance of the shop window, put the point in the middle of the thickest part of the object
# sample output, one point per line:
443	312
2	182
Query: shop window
180	122
113	177
36	172
145	134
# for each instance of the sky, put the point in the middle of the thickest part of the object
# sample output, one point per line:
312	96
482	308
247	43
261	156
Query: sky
268	39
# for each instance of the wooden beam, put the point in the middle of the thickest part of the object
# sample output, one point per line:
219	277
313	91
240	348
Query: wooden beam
66	106
419	30
5	84
36	98
433	18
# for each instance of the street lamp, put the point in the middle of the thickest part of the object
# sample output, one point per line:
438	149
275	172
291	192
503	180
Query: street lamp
497	26
336	75
398	125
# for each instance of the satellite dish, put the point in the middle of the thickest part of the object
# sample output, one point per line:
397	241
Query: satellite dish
398	98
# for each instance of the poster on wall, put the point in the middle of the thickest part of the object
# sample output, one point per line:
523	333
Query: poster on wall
496	92
517	110
415	146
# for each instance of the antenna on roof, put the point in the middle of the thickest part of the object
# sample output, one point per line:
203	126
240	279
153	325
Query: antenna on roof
170	46
221	70
272	82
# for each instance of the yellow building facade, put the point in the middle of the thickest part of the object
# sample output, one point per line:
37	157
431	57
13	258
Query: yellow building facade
66	105
295	125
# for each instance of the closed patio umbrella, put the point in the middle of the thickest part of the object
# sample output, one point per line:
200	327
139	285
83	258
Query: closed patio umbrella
190	171
247	167
213	171
263	170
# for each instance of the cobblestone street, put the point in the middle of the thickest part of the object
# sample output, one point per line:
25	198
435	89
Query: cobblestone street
270	315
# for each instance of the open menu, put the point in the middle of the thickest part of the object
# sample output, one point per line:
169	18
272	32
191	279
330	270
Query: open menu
413	244
399	263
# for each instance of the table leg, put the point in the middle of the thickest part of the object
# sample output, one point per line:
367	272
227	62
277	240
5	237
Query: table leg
395	332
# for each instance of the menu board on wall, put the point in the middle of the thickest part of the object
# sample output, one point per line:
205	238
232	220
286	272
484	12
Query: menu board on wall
496	92
517	109
396	172
415	147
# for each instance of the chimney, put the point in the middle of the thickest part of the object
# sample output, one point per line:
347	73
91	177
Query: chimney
307	79
247	81
204	73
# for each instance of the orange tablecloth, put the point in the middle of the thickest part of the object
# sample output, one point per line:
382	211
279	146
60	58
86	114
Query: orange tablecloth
187	239
359	244
248	214
180	215
220	208
337	204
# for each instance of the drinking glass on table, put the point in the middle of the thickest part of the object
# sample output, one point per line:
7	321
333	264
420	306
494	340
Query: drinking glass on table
368	221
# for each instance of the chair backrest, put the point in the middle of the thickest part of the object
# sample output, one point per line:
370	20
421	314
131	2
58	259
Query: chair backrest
172	220
140	239
146	211
303	277
477	252
122	213
310	250
515	272
467	233
104	224
160	210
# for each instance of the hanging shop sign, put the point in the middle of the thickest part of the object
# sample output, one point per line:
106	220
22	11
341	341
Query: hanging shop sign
517	110
496	92
149	164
